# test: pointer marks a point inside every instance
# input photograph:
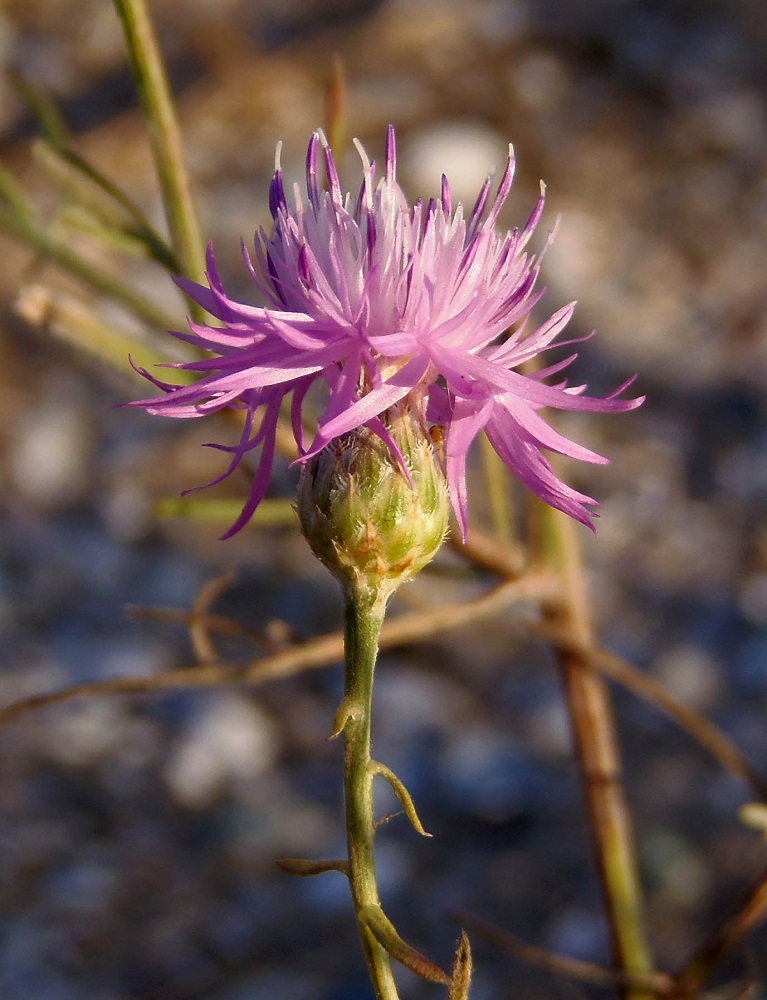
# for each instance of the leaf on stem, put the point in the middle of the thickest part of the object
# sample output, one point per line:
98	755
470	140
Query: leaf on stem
47	114
383	930
110	209
402	794
344	712
304	867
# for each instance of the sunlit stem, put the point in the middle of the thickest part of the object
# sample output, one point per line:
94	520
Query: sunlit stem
596	745
498	487
164	136
735	926
364	617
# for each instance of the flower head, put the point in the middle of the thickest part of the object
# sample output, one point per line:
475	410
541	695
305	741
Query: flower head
373	527
380	301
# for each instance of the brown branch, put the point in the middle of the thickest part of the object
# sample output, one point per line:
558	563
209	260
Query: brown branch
491	553
181	616
596	745
729	933
199	629
564	965
644	686
315	653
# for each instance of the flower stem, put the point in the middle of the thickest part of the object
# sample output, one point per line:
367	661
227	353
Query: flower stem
594	733
364	617
164	136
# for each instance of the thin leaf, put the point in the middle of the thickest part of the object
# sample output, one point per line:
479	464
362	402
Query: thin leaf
14	196
76	324
270	512
88	187
47	114
305	867
383	930
33	235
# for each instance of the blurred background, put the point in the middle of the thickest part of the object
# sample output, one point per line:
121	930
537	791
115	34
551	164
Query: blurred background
138	834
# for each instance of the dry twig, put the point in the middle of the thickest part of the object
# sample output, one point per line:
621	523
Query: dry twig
314	653
644	686
563	965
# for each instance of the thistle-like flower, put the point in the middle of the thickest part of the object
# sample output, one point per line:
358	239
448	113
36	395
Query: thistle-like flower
380	302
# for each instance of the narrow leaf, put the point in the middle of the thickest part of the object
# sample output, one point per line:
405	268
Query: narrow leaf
305	867
270	513
402	794
73	322
383	930
49	118
34	236
85	185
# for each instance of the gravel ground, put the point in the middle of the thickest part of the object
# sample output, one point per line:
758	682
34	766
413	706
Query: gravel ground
139	834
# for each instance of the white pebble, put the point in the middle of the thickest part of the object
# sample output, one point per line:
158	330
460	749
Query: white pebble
230	739
465	151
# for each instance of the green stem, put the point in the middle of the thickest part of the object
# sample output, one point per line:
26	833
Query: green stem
497	484
164	136
364	618
49	119
596	744
93	192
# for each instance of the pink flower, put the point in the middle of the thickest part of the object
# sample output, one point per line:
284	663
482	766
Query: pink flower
380	301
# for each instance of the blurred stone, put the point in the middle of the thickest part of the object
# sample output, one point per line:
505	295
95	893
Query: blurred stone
229	739
466	151
692	674
577	933
51	453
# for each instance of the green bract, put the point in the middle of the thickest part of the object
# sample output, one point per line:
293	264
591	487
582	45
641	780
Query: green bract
371	526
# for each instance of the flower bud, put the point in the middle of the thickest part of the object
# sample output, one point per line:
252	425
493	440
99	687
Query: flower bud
371	526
